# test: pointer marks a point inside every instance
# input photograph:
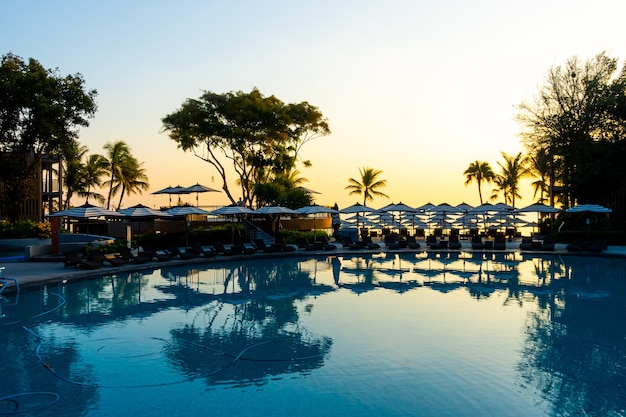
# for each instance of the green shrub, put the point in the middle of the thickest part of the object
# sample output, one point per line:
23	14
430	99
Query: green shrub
24	230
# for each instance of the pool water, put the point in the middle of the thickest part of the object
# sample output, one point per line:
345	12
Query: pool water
386	334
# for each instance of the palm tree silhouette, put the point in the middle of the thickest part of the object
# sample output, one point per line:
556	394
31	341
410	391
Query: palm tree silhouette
368	185
479	171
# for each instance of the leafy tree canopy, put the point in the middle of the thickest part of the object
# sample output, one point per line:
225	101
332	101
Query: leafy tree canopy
259	136
579	118
40	114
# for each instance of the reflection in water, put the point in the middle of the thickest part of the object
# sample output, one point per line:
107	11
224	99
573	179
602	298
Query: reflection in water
252	324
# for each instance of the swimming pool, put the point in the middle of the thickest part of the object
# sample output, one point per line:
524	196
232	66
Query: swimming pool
386	334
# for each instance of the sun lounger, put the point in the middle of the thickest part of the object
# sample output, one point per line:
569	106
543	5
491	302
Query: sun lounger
323	242
177	253
72	258
152	253
370	244
76	259
304	244
241	248
261	246
199	250
547	244
454	242
526	244
115	259
499	242
283	246
127	254
433	243
597	245
222	250
477	243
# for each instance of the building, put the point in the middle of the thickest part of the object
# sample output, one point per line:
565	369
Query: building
48	191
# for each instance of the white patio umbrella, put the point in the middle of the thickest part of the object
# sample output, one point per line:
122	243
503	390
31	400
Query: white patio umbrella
357	209
538	208
140	212
87	211
425	207
589	208
198	188
232	210
186	211
172	190
143	212
314	210
275	212
464	207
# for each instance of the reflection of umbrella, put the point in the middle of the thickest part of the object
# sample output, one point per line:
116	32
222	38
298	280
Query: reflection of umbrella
197	188
172	190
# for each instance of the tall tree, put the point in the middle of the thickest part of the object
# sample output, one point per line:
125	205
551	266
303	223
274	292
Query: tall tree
132	179
368	184
40	114
260	137
512	170
539	168
117	153
579	117
74	171
480	172
96	167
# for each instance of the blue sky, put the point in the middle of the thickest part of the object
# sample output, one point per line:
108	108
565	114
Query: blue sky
416	89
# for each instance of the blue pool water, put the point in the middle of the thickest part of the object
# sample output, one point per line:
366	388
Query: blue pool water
386	334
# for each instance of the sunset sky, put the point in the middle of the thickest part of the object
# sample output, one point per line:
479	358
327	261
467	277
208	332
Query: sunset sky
417	89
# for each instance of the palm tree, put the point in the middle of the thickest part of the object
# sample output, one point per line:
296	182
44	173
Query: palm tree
513	169
368	185
539	167
92	172
131	179
501	186
74	168
117	153
479	171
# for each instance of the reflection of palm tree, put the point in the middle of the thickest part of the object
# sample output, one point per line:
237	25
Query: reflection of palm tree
368	184
257	336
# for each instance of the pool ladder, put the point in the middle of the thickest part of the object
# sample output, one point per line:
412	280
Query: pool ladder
4	282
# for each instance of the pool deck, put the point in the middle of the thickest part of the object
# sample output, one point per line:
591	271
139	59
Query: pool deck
35	273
